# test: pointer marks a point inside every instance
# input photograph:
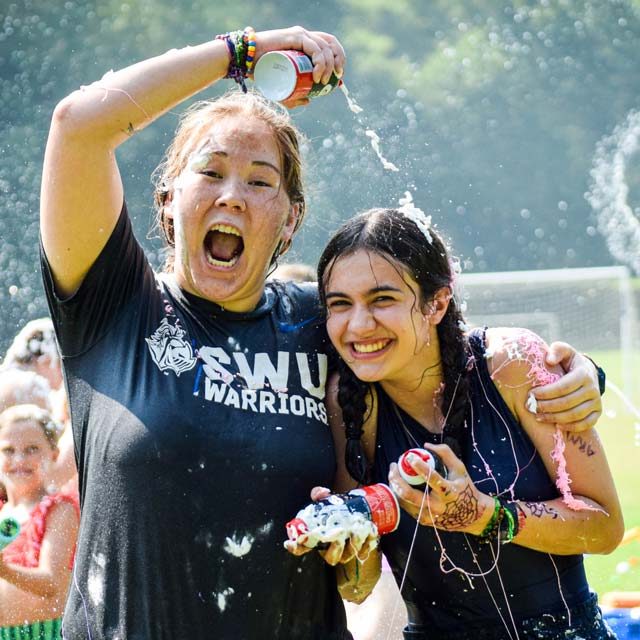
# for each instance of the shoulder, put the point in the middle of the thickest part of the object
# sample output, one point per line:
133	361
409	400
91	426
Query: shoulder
516	360
59	502
297	309
304	294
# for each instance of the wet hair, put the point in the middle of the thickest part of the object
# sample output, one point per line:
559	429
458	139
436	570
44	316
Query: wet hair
397	238
35	340
32	413
196	122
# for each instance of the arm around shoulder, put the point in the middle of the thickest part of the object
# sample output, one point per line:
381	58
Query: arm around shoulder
586	519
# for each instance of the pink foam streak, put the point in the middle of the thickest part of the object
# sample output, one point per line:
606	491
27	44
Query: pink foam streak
563	481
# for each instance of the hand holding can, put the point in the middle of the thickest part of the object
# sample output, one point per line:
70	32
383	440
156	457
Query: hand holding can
287	76
360	514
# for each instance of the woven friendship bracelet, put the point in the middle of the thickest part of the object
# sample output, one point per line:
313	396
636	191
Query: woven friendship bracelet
242	49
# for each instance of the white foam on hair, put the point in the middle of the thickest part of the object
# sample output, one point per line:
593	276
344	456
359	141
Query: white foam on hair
409	210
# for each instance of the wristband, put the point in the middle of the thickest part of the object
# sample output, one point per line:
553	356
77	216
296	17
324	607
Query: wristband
602	376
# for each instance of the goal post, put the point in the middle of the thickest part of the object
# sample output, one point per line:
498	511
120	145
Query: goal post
591	308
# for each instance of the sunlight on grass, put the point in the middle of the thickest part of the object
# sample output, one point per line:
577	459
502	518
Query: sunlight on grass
620	571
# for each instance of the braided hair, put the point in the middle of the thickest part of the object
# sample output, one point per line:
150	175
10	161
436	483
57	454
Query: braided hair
396	237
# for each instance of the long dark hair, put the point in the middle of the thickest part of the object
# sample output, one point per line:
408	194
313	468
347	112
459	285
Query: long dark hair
395	236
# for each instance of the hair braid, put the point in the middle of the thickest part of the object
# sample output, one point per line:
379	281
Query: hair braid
352	394
454	353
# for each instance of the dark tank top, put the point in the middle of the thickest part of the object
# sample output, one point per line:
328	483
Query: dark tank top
498	454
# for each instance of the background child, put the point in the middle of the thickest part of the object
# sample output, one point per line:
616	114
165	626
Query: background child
35	569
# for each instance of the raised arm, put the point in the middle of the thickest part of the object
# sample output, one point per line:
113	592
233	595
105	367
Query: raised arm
82	192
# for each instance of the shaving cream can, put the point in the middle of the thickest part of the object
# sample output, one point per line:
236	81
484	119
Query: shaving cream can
288	75
376	502
409	474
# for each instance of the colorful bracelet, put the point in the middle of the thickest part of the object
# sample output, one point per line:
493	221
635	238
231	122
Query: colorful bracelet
492	530
250	41
511	520
242	49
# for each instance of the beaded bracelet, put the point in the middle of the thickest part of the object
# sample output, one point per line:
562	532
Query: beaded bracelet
250	41
242	49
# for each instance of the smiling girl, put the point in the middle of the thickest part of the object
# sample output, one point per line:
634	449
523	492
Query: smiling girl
35	569
497	551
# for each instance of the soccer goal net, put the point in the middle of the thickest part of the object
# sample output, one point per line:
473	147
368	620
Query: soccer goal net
591	308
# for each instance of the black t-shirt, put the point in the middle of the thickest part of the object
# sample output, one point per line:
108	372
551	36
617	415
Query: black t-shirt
198	434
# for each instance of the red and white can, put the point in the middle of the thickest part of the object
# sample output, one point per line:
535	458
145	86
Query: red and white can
376	502
384	510
410	475
284	75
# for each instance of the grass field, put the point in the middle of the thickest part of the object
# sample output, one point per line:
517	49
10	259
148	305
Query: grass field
620	436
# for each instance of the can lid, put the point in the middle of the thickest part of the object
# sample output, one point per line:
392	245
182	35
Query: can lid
296	528
407	469
275	76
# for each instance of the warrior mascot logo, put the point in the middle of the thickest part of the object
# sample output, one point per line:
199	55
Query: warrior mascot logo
169	350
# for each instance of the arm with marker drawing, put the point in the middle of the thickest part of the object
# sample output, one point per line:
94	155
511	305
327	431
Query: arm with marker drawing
585	518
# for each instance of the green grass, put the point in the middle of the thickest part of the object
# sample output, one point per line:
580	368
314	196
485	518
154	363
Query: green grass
618	432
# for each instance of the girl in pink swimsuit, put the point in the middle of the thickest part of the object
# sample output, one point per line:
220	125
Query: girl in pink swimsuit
35	569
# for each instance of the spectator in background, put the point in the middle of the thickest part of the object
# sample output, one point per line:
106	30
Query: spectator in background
34	348
31	368
295	272
23	387
35	568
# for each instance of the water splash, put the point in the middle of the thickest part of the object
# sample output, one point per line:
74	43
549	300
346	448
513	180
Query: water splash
375	144
354	107
609	191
